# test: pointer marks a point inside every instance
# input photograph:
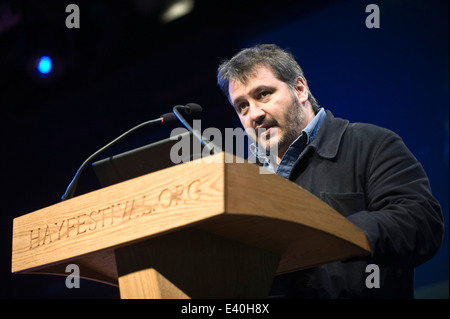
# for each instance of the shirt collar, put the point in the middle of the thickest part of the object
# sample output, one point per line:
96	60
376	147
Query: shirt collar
313	127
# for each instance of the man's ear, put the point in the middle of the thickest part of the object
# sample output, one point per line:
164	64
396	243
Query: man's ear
301	89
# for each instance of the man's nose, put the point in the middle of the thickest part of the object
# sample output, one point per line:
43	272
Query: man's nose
257	113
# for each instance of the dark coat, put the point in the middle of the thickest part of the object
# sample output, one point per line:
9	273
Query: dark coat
368	175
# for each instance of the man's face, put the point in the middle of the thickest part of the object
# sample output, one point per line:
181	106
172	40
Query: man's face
270	108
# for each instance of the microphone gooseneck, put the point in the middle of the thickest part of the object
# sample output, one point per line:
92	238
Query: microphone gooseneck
191	108
163	119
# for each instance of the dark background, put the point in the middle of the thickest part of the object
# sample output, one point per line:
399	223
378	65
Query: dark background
123	66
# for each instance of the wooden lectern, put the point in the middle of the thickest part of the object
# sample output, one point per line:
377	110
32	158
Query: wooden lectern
211	228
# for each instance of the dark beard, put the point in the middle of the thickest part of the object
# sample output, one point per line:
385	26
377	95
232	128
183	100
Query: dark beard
294	124
294	119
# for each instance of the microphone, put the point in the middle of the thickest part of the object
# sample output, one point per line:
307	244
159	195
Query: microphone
163	119
167	118
192	108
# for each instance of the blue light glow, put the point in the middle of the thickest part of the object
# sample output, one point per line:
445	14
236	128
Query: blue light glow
44	65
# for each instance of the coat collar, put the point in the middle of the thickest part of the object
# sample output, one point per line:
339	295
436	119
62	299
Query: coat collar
327	141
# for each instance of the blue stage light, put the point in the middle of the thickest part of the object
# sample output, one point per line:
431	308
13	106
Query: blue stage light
44	65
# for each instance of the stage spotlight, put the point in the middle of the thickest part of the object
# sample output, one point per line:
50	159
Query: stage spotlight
176	9
44	66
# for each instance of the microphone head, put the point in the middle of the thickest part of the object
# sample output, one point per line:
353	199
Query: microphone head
168	117
193	108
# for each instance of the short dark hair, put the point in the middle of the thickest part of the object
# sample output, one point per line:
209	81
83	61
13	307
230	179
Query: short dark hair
281	62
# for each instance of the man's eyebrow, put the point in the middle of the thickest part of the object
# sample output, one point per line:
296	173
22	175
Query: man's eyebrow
261	88
238	100
253	92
